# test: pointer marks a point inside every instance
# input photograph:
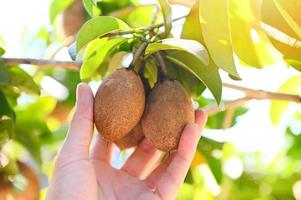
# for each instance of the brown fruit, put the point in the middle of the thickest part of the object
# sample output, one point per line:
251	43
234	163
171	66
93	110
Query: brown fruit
168	110
73	18
119	104
31	190
131	139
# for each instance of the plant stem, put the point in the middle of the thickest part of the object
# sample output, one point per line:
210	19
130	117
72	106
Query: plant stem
262	95
161	62
71	65
212	110
250	93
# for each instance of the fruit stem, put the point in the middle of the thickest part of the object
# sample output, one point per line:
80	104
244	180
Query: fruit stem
139	52
161	63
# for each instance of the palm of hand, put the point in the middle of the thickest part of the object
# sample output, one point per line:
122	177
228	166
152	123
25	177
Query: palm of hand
80	174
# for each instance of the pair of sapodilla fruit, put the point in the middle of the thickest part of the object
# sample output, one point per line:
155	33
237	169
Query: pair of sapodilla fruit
123	114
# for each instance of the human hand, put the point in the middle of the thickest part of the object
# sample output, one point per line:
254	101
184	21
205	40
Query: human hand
80	174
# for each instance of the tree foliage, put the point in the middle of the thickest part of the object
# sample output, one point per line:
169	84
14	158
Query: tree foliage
215	36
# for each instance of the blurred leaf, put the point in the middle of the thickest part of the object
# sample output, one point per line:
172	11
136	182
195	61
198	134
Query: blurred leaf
250	42
272	16
278	108
151	72
217	121
115	62
4	74
206	147
6	120
186	192
57	7
38	110
24	81
167	16
140	17
2	51
31	129
296	5
91	8
192	26
294	63
216	33
95	55
192	47
109	6
98	27
294	150
209	75
290	52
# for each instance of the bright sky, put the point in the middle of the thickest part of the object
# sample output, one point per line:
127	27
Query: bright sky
254	131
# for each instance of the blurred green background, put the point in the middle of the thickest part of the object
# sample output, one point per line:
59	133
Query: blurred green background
248	152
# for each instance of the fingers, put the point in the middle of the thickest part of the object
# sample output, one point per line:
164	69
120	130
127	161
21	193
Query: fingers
81	127
142	160
102	150
169	176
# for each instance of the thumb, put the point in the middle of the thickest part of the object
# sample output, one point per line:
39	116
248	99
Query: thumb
80	132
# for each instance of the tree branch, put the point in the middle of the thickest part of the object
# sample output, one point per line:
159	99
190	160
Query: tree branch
262	95
212	110
71	65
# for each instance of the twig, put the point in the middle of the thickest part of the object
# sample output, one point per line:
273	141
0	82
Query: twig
71	65
261	94
212	110
139	30
138	53
161	62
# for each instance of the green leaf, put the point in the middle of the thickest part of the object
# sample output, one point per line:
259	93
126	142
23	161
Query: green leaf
271	15
278	108
98	27
151	72
191	46
115	62
206	147
95	55
38	110
57	7
31	129
6	120
192	27
4	74
216	33
140	16
191	83
167	16
250	42
21	79
91	9
209	75
294	63
2	51
286	16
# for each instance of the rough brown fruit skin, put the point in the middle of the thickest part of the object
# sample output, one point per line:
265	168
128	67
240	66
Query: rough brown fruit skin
31	191
131	139
73	18
168	110
119	104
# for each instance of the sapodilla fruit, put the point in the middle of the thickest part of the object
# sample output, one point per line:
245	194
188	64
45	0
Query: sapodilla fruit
132	139
119	104
168	110
31	190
